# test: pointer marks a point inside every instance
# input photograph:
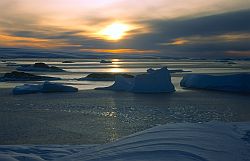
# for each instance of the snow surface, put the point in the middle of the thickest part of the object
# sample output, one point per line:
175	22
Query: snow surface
46	87
227	83
154	81
213	141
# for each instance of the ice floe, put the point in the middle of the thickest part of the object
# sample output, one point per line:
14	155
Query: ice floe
46	87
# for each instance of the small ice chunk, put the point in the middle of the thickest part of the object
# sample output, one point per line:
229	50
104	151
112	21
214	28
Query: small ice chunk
49	87
27	89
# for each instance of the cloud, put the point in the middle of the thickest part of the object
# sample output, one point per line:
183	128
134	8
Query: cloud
15	41
178	41
163	27
224	38
120	51
238	53
212	35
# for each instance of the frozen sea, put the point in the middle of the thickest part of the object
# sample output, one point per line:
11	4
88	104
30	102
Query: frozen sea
94	117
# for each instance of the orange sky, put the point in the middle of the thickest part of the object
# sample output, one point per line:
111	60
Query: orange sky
76	23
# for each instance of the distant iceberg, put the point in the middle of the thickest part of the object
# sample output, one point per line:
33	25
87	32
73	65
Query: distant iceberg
46	87
154	81
228	83
106	61
22	76
104	76
213	141
39	67
68	61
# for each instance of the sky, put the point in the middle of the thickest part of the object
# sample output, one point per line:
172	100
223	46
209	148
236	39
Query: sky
181	28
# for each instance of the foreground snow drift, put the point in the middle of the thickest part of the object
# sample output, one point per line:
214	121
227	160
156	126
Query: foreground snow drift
38	152
155	81
214	141
46	87
228	83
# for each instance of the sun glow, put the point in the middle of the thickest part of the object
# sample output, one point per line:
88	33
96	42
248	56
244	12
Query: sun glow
117	70
115	31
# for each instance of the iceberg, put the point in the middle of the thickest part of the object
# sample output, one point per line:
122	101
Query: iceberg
121	84
46	87
154	81
22	76
228	83
211	141
39	67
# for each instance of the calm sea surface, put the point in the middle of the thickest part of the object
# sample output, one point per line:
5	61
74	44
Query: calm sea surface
91	116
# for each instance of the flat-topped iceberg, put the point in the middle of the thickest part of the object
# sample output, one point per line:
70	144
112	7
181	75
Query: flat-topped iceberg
39	67
104	76
154	81
213	141
46	87
228	83
22	76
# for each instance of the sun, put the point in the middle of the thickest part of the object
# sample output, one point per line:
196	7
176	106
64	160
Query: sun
115	31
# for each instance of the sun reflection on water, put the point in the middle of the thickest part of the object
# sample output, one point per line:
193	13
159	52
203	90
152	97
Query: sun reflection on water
117	70
115	60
